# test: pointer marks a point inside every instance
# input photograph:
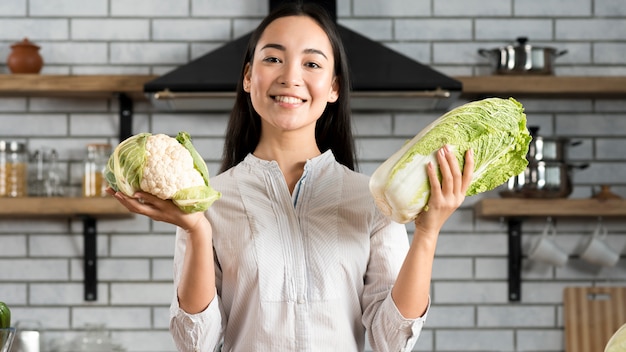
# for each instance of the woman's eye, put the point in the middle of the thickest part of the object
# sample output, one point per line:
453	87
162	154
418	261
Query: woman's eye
312	65
271	59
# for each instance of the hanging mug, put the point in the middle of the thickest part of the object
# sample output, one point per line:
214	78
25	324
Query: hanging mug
545	248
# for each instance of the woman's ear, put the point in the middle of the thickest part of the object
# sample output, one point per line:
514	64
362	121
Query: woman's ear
246	78
333	95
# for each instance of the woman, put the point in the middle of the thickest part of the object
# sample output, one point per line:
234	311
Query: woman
295	256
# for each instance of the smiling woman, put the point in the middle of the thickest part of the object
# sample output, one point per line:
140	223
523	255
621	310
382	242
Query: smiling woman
296	255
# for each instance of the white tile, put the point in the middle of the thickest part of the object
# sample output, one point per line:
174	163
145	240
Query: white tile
149	53
516	316
609	53
64	294
152	8
13	8
216	8
13	246
433	29
540	340
68	8
377	30
74	53
190	29
391	8
470	292
145	341
112	317
475	340
610	8
451	316
478	8
141	293
36	30
553	8
29	269
110	29
142	245
508	30
590	29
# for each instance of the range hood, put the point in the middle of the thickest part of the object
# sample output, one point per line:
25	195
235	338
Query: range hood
381	78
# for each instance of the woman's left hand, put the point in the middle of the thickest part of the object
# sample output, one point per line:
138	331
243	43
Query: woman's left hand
445	196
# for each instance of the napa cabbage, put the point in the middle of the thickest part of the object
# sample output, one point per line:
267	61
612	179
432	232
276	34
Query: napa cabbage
494	128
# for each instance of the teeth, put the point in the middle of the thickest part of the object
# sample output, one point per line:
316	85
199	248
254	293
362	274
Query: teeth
288	100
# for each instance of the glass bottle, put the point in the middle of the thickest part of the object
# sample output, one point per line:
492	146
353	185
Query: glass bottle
94	184
13	169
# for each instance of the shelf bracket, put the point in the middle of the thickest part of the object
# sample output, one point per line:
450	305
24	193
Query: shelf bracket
515	259
126	116
90	258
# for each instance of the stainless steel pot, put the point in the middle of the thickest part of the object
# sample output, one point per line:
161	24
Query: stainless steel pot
548	148
542	179
522	58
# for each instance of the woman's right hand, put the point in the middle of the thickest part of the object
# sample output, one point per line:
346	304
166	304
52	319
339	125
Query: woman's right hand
160	210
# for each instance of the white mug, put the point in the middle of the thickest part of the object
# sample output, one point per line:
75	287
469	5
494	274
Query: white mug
546	250
597	251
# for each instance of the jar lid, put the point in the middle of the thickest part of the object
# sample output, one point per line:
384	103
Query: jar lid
12	146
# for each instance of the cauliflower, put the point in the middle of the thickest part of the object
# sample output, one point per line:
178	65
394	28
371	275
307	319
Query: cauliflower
169	168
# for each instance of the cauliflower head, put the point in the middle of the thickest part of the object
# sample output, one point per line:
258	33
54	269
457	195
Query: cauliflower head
169	168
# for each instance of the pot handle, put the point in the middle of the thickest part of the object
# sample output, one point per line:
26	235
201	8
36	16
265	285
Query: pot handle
580	167
561	53
483	52
575	143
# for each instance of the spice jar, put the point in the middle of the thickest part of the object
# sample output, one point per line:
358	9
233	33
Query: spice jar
97	157
13	169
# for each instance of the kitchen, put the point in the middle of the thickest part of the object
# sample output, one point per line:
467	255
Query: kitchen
471	307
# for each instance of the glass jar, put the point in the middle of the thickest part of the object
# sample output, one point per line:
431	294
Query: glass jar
94	184
13	169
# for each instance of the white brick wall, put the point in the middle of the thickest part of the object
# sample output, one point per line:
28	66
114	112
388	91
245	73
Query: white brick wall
470	311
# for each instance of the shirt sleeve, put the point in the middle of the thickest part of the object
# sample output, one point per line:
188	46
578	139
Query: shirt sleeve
387	329
202	331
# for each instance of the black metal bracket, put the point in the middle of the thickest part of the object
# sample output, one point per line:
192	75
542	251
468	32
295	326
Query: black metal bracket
90	257
515	259
126	116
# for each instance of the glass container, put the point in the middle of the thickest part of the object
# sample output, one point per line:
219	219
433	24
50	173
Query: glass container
94	184
13	169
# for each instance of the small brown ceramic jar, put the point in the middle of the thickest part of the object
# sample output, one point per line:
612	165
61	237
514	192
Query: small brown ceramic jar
24	57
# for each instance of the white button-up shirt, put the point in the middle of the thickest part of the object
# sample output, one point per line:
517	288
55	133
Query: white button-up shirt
308	271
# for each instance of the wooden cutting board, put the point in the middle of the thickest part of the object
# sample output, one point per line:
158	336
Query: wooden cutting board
591	316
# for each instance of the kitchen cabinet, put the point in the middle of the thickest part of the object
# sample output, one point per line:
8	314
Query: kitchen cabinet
514	210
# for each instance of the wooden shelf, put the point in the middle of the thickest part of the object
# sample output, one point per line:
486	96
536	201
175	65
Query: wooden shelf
544	86
473	86
525	207
73	86
515	209
36	207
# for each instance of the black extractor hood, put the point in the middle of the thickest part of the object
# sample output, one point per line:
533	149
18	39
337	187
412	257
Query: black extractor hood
381	78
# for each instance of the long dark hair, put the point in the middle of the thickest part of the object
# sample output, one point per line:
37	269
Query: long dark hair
333	129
